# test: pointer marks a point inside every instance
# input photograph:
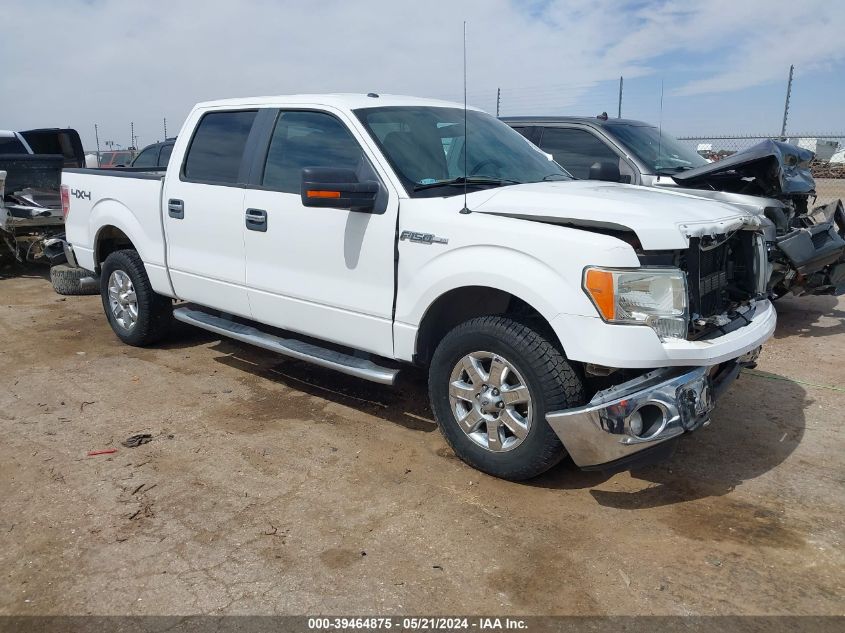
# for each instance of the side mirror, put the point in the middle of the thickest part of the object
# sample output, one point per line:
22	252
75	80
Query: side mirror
337	189
605	170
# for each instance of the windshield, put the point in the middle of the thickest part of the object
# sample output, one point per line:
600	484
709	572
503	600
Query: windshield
661	154
426	146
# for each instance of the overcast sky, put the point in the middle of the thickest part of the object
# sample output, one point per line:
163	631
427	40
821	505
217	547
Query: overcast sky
723	64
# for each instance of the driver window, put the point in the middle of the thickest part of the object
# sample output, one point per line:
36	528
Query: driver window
308	139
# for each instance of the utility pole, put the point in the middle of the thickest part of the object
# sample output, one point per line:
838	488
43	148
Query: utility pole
165	128
619	112
498	100
132	133
97	138
786	105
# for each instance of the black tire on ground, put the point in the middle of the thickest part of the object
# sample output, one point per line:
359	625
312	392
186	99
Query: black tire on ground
154	311
67	280
552	382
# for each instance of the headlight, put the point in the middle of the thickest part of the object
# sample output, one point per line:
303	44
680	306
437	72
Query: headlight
653	297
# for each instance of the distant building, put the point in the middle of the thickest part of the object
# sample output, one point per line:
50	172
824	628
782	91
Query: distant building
822	148
705	149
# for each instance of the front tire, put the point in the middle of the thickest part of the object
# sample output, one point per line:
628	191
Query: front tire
491	382
138	315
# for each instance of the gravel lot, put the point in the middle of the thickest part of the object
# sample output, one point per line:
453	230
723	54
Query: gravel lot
274	487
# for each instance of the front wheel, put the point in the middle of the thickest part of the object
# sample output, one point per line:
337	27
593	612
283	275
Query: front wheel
135	312
491	382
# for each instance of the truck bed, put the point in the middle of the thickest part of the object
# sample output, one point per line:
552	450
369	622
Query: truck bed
128	200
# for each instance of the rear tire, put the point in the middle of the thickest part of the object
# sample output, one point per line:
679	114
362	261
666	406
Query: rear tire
137	314
68	280
523	376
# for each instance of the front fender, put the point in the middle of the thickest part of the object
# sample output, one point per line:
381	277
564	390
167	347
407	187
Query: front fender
499	267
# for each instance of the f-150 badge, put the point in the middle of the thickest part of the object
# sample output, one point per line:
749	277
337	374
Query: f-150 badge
422	238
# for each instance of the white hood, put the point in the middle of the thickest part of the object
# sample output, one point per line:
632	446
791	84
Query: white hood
662	220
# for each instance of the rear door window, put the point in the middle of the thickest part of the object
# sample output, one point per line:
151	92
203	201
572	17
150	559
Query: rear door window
164	157
576	150
217	149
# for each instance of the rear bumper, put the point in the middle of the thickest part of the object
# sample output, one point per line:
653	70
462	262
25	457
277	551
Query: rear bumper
667	403
58	251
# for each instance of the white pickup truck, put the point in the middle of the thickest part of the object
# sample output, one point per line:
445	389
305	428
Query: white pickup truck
366	232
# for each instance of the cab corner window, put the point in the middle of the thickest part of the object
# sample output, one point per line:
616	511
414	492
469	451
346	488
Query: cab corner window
217	148
308	139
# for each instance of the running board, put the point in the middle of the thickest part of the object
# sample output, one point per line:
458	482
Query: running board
344	363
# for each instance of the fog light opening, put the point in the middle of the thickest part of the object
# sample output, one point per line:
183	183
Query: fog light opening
647	421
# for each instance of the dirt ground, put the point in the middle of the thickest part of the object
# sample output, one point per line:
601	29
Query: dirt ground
275	487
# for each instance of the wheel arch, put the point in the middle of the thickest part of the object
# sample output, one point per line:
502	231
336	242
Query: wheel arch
462	303
110	238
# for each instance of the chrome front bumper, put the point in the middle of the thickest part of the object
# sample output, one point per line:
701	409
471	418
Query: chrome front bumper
642	413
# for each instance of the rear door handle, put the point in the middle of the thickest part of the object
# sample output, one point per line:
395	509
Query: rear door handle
256	220
176	209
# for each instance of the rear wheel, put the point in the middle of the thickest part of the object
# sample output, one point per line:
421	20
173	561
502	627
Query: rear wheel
491	382
137	315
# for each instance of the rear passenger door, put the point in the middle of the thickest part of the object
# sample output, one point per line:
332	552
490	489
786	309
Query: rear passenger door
577	149
324	272
203	213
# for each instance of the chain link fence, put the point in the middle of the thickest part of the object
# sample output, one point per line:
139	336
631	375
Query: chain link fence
828	167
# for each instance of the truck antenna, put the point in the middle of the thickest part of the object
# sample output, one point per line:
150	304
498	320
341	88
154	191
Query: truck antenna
660	128
465	210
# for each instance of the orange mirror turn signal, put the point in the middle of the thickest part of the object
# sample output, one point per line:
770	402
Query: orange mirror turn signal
314	193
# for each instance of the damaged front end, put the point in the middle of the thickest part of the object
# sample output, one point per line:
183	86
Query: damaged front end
806	247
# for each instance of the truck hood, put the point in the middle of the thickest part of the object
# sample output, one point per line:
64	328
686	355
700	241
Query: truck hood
661	220
770	168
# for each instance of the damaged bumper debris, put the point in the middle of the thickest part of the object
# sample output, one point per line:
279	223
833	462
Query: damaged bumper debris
630	424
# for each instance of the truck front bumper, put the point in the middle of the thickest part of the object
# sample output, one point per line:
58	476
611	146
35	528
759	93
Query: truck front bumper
639	347
620	425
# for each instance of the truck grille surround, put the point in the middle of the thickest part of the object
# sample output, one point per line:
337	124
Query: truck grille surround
723	273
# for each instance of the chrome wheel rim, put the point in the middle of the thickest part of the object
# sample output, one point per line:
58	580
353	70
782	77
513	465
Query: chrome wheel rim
122	300
490	401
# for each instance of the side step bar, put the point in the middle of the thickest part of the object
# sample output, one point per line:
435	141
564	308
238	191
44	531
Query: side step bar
344	363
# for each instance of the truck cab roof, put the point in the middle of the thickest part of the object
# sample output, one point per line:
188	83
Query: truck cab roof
343	101
584	120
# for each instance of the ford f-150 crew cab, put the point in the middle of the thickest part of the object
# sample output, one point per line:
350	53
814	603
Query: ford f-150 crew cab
366	232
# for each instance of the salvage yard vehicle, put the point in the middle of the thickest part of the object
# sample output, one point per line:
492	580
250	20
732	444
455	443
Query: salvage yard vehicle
116	158
30	175
772	180
155	155
366	233
31	221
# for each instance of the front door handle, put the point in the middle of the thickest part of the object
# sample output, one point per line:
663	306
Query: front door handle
256	220
176	209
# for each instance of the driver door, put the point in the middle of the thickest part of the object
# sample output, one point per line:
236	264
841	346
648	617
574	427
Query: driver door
324	272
